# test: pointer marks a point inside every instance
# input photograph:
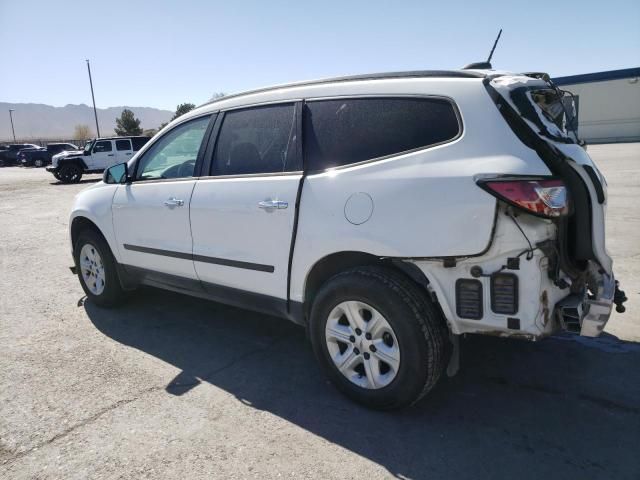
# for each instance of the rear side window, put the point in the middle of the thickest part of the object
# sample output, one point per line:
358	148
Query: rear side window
346	131
257	140
123	145
139	142
103	146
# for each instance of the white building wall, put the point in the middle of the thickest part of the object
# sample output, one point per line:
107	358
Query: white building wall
609	111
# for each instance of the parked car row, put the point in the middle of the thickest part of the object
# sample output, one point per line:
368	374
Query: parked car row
41	156
68	162
9	153
30	155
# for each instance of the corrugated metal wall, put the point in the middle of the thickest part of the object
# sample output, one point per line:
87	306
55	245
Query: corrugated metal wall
609	110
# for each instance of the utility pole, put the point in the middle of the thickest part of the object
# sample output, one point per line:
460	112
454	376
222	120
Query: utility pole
95	112
11	110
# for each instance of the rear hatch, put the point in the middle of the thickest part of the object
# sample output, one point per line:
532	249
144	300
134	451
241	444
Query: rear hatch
544	118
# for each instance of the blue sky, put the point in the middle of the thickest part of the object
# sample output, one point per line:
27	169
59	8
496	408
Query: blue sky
162	53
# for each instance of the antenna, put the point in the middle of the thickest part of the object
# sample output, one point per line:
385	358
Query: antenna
494	46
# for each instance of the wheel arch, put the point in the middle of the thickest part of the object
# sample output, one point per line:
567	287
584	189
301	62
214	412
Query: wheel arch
334	263
74	160
81	223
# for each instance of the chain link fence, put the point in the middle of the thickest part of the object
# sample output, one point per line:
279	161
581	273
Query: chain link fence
43	142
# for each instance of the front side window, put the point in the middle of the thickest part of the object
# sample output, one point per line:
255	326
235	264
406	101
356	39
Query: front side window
87	147
346	131
257	140
123	145
174	155
102	146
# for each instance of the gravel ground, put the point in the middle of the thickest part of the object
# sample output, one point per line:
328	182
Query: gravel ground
175	387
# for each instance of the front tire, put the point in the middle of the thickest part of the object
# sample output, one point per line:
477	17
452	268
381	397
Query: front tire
38	162
96	269
70	173
378	338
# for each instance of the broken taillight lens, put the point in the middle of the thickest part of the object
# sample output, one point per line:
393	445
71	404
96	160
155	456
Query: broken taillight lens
543	197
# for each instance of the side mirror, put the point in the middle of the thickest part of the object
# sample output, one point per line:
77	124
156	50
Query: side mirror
87	153
116	174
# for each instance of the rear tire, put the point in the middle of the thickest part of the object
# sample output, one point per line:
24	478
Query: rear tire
96	269
70	173
406	360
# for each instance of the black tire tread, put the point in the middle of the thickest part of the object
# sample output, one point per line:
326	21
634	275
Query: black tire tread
428	316
115	295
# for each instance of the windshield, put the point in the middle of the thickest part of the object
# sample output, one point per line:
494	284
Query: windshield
88	145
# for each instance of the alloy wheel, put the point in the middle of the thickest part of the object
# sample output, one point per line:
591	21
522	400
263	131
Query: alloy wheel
92	269
362	345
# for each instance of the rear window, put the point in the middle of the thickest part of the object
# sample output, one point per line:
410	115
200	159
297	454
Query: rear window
123	145
257	140
347	131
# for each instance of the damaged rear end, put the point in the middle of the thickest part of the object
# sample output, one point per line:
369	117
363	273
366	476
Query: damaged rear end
574	199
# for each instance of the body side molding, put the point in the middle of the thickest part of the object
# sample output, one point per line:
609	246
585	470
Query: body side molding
202	258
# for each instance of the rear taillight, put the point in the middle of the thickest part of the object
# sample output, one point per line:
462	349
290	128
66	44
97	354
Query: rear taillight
546	198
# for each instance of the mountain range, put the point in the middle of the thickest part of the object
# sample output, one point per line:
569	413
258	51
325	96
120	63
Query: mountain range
33	121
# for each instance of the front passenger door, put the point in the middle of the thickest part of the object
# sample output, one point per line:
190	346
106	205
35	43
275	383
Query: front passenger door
151	214
102	156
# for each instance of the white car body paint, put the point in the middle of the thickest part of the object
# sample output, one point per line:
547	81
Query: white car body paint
140	217
94	204
424	204
227	223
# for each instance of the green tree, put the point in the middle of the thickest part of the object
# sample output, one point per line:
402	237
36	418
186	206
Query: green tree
182	109
127	124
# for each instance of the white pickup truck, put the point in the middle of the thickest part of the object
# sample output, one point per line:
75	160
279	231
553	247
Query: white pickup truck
97	155
387	213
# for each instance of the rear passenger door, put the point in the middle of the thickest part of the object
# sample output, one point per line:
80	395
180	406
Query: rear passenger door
123	151
243	213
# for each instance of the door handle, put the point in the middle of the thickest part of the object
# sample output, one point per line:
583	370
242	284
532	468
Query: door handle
272	204
110	155
173	202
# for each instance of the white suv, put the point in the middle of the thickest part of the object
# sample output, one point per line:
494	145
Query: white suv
97	155
387	213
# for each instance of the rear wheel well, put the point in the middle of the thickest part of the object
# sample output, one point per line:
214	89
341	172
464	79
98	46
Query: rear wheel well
335	263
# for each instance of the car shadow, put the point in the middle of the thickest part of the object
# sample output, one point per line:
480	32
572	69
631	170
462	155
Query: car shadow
87	180
563	407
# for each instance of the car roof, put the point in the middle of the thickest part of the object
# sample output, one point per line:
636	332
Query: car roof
122	138
369	76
